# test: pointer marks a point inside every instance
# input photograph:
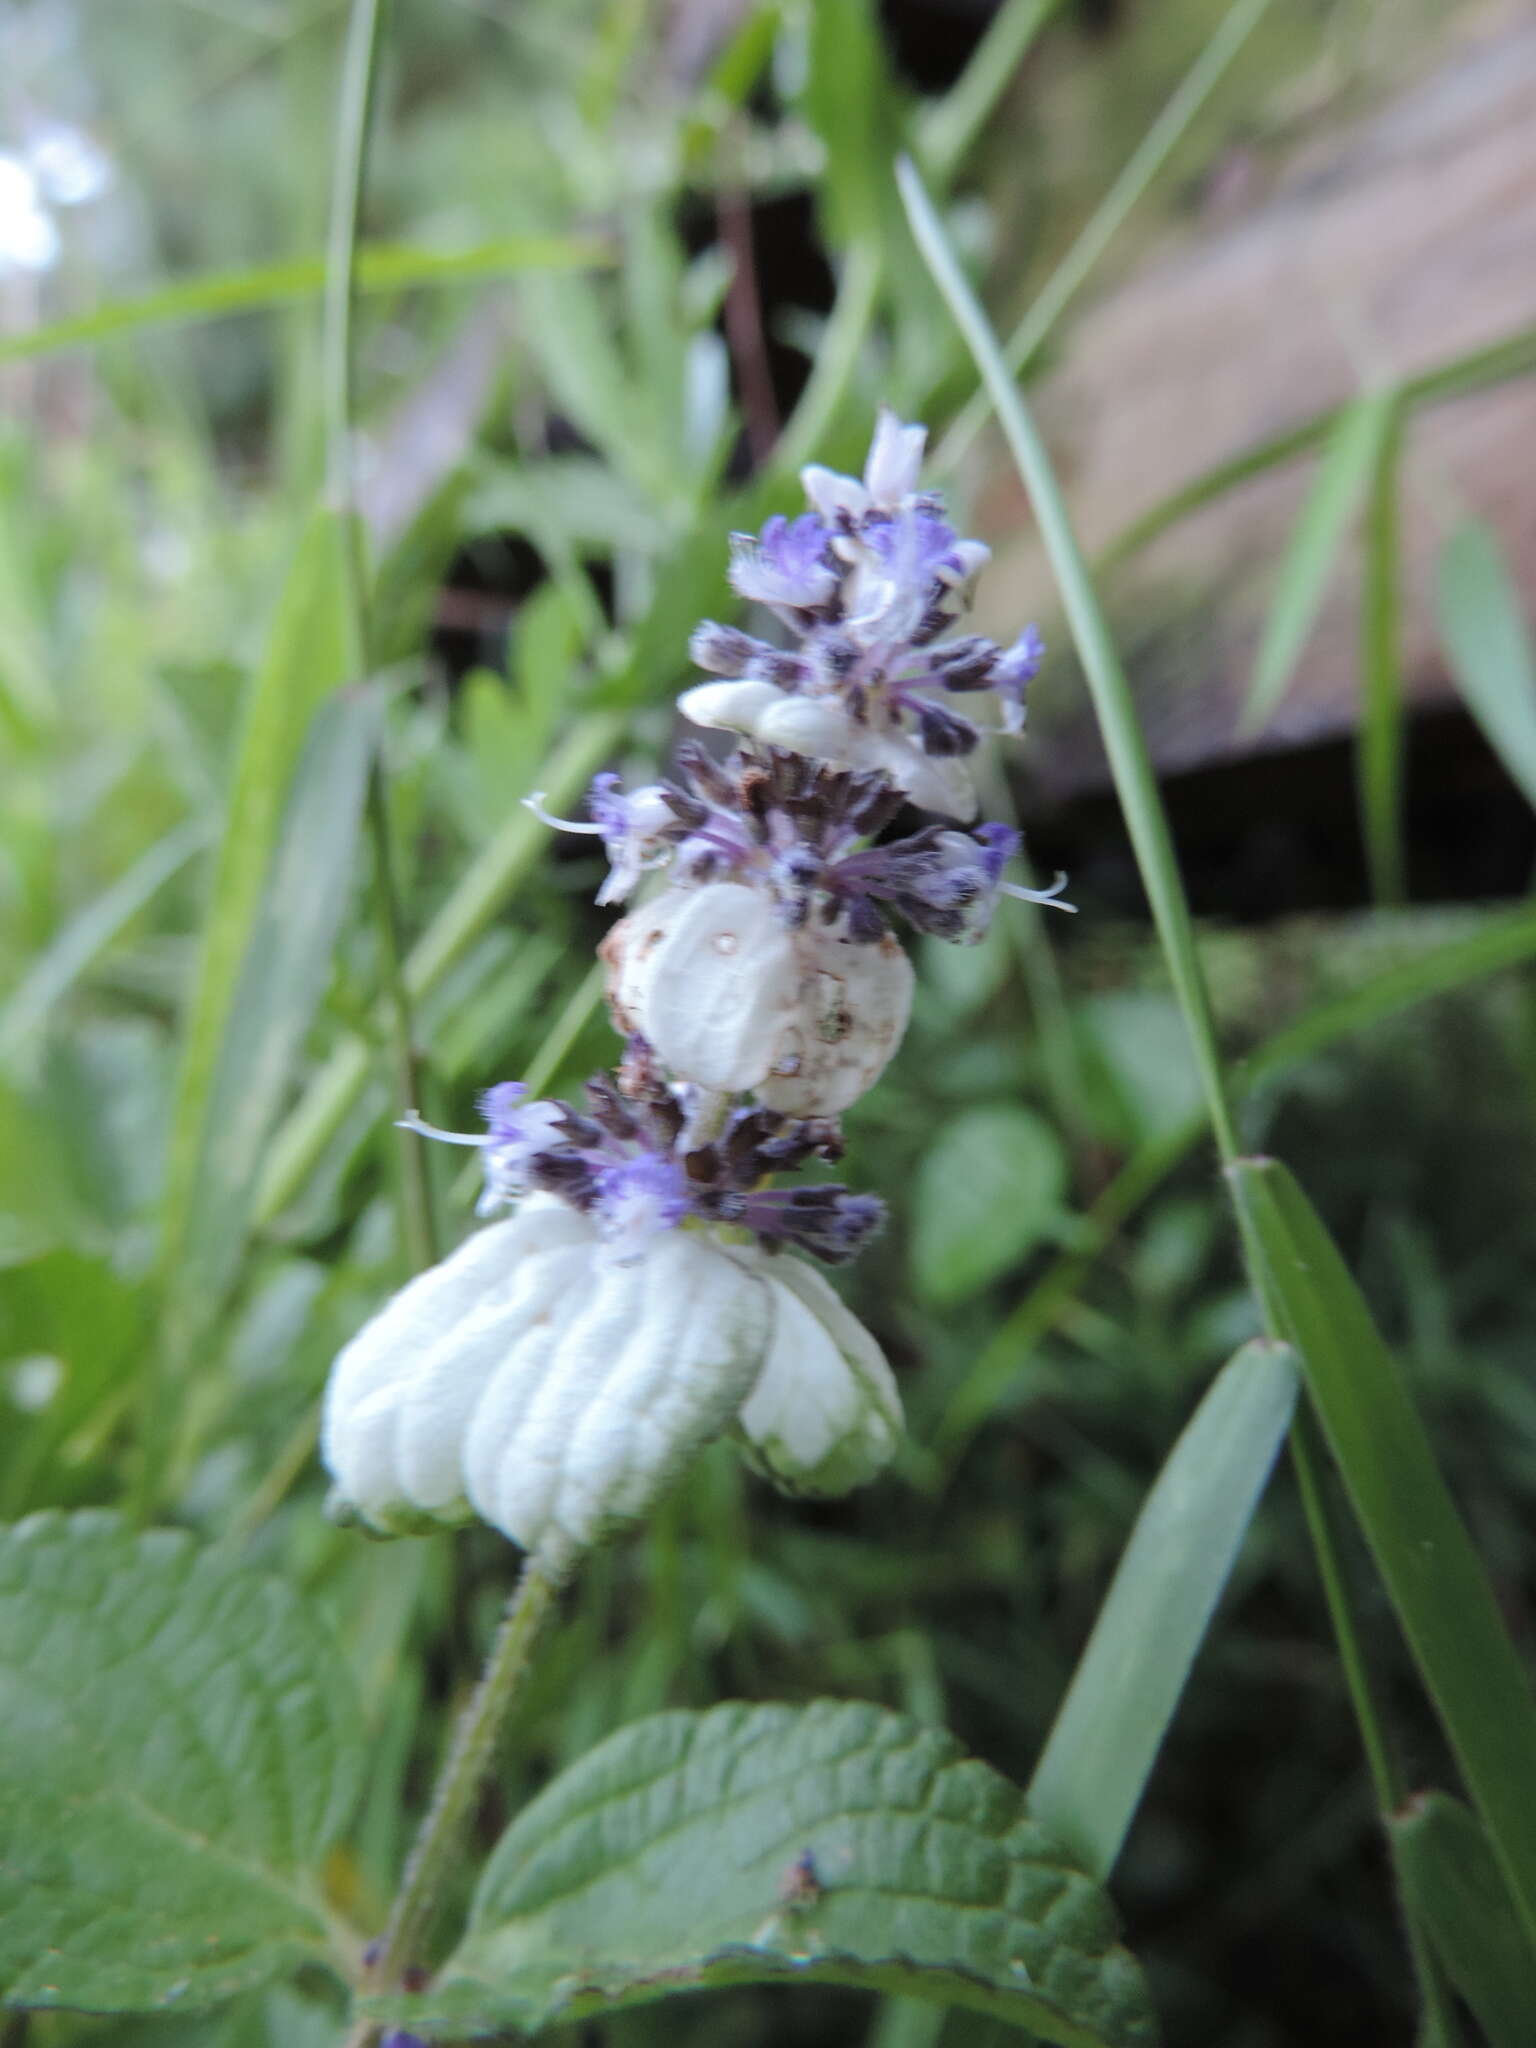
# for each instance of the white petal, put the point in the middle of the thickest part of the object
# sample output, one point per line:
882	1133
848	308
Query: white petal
935	782
832	495
373	1377
824	1414
438	1400
729	706
895	457
852	1009
619	1396
815	726
709	977
357	1423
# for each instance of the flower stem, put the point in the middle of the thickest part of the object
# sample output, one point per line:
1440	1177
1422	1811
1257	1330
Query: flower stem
469	1758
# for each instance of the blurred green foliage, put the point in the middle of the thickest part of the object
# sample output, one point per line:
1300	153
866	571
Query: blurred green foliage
155	544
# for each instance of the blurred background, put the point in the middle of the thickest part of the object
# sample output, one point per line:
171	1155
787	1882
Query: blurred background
1270	271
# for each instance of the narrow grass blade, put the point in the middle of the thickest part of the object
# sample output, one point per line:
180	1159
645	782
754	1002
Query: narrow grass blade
1453	1888
474	904
1489	647
1125	1690
1380	755
951	127
310	651
283	976
386	267
1435	1579
1109	216
1130	763
1308	564
1513	356
91	931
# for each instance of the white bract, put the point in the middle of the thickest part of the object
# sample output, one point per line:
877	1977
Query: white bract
823	728
729	998
532	1381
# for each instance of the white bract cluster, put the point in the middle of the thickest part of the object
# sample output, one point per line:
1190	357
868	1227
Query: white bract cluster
648	1294
555	1394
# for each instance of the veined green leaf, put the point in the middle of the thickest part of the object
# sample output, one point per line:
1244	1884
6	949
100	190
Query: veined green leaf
1125	1690
1435	1579
834	1843
1489	647
181	1748
1454	1890
1348	461
383	268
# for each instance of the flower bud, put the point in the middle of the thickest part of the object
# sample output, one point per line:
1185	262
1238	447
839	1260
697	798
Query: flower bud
729	999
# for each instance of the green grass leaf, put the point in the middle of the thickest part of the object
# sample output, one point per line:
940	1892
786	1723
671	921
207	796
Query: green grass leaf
383	268
1379	760
284	974
1126	1688
850	102
1349	459
311	650
1489	647
1454	1890
834	1843
988	1189
181	1748
1436	1581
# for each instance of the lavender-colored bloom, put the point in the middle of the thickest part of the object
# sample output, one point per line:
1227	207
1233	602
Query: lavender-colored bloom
787	567
1013	672
636	1198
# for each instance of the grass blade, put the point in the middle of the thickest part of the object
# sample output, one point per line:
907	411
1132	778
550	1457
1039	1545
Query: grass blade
1380	751
1454	378
310	651
951	127
282	978
1489	647
1140	168
1125	1690
1435	1579
473	906
1454	1889
386	267
1130	763
1348	463
91	931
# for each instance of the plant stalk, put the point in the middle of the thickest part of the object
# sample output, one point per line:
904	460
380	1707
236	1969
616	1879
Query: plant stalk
353	124
469	1758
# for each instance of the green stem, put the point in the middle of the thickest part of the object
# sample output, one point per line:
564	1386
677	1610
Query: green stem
353	123
1136	786
470	1754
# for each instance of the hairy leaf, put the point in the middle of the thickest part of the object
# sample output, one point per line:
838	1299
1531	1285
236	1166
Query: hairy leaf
180	1748
832	1843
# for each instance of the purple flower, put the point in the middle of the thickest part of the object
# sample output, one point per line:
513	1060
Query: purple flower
788	566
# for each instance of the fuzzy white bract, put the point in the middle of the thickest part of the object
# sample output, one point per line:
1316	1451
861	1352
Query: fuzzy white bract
556	1393
728	998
